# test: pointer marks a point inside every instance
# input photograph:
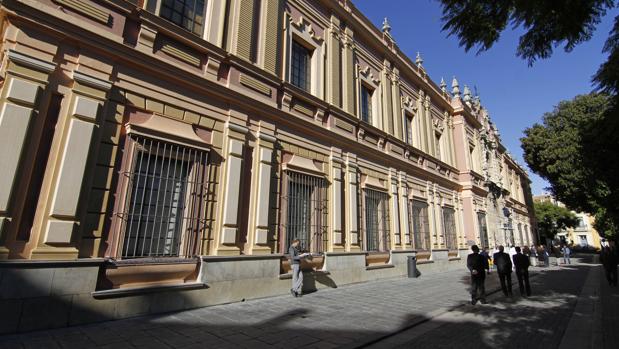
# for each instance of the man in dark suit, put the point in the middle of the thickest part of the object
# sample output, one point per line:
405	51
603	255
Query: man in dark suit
504	268
521	262
477	265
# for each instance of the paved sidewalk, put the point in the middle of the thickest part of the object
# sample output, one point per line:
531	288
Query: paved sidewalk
349	316
570	308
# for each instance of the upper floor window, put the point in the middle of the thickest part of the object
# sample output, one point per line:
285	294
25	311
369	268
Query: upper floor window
408	129
300	73
437	144
366	104
188	14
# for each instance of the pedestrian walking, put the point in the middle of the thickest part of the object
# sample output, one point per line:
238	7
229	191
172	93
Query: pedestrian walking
566	254
504	269
544	256
484	253
610	259
534	260
521	262
297	273
512	253
477	265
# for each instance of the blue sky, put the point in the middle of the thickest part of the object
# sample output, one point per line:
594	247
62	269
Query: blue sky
515	94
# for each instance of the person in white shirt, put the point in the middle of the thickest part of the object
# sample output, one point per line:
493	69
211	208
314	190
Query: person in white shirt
512	253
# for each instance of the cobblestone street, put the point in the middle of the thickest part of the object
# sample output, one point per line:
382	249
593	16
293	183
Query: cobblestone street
430	311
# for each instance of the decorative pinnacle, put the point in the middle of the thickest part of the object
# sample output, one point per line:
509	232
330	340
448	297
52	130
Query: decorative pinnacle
418	60
443	85
467	95
455	88
386	26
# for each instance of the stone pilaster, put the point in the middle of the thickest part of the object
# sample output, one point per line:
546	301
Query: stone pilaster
78	127
404	221
272	42
337	201
260	227
348	72
396	237
231	188
396	101
386	102
19	106
352	204
333	63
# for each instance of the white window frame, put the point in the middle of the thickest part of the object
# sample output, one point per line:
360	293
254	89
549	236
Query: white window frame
303	32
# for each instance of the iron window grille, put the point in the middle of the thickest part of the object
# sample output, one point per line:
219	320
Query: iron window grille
449	228
300	66
187	14
166	198
419	225
305	201
483	229
377	234
366	104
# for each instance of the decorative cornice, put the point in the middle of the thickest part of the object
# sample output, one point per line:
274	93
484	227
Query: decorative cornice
35	63
91	81
237	128
304	25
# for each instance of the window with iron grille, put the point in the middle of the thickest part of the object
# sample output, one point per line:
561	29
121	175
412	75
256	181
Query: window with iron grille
166	199
377	235
305	202
300	74
483	229
366	104
188	14
449	228
419	225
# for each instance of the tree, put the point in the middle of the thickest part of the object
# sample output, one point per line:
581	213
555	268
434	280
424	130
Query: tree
552	219
584	172
562	151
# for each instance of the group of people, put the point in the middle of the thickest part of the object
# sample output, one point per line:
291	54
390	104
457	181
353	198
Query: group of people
479	263
541	255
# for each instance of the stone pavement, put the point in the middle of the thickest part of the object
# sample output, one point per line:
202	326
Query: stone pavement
350	316
571	307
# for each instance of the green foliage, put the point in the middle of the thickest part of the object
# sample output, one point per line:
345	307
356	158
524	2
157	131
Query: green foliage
551	219
569	153
547	24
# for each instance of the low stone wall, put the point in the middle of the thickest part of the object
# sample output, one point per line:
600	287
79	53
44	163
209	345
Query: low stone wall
42	295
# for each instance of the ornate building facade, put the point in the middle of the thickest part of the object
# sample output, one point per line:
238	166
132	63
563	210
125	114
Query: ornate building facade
160	155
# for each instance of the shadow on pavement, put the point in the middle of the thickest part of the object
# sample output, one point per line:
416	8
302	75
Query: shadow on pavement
538	321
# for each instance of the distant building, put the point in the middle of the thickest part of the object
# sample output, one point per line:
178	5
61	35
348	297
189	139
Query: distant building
583	236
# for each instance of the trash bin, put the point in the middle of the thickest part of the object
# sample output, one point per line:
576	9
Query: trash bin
412	266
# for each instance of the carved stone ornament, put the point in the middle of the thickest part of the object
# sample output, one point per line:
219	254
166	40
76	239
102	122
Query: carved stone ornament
304	25
409	103
367	72
438	124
